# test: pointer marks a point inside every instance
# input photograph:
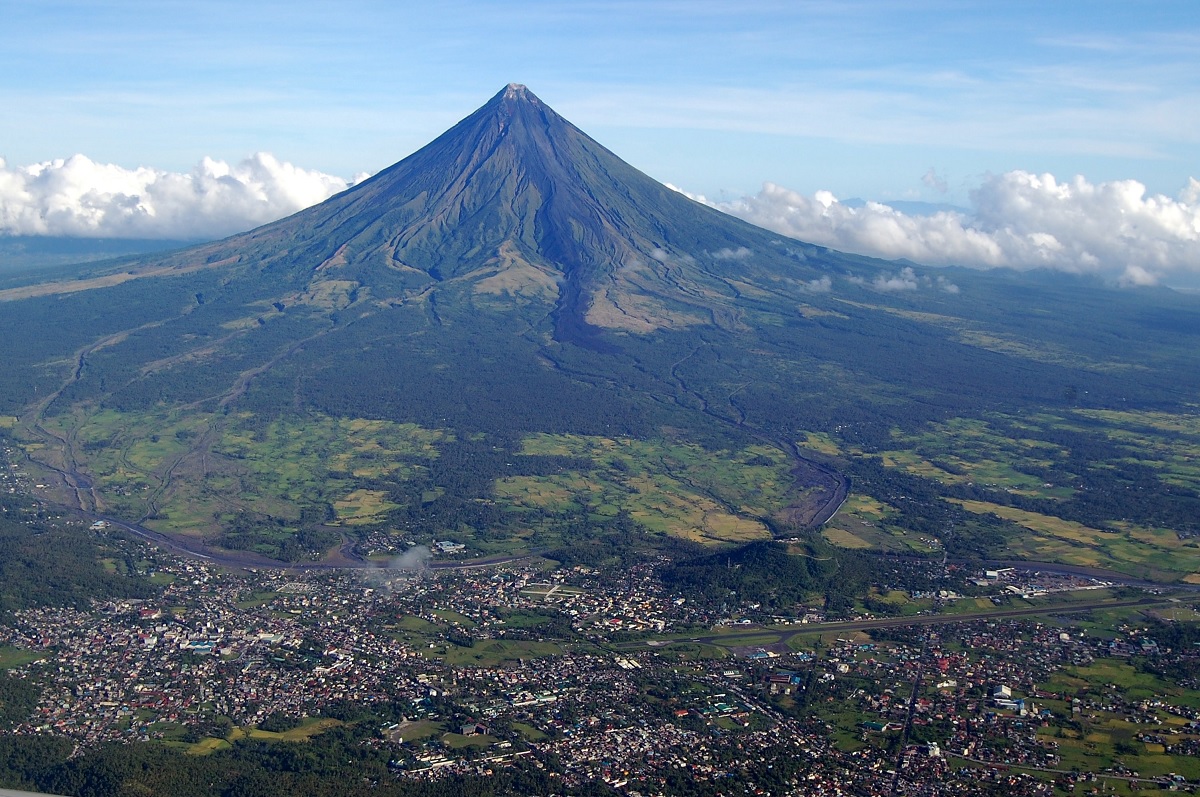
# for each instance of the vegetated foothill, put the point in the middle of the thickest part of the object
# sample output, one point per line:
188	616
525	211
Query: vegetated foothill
514	280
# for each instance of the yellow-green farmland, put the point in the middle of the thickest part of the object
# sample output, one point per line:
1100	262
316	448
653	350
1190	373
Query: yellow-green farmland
670	487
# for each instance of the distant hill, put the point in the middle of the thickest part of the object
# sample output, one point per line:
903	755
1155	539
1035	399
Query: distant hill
512	339
22	252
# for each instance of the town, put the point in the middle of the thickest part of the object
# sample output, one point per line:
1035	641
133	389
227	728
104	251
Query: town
593	676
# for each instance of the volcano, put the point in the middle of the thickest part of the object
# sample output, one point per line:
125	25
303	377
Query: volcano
515	201
514	340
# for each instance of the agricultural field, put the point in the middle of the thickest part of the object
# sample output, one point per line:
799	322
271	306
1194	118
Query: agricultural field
182	472
322	459
1155	554
821	443
671	488
1098	738
363	507
256	484
1112	675
1169	444
1097	488
1086	487
965	451
863	524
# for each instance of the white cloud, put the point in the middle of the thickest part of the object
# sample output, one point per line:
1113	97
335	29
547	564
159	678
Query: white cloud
740	253
79	197
946	285
905	280
688	194
1021	220
932	179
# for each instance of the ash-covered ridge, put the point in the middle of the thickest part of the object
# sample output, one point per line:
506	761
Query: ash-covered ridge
524	205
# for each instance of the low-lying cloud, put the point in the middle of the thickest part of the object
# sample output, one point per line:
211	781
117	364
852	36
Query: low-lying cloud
740	253
906	279
1021	220
79	197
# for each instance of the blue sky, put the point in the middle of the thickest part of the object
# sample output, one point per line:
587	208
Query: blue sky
860	98
921	99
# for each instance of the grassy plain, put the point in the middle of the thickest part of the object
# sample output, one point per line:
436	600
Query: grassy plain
529	732
207	746
457	741
11	657
307	729
844	538
526	619
449	616
492	652
417	729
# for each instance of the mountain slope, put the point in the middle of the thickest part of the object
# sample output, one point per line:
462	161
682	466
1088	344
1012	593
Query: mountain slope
514	339
517	201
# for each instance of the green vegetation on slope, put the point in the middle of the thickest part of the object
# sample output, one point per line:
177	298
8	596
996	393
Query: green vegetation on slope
513	280
43	565
1085	487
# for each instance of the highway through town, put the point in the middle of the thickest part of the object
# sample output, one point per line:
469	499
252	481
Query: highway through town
754	634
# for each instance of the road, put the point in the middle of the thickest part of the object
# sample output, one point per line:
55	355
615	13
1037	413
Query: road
1099	775
912	711
787	632
347	559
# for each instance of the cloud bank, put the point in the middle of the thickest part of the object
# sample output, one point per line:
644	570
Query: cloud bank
79	197
1021	220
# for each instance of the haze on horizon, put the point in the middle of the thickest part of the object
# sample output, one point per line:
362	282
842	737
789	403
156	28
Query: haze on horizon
1067	136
